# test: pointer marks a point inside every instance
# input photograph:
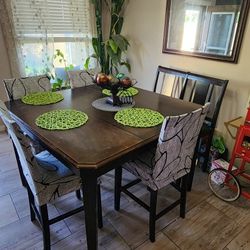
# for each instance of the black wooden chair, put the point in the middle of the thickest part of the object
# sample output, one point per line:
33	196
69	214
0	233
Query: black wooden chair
199	89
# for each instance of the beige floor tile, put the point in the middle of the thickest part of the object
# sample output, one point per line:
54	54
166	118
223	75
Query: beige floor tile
8	162
10	182
20	200
108	239
162	242
8	212
24	234
239	211
132	222
242	241
204	227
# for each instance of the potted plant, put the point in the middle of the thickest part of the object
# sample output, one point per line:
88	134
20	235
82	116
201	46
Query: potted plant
59	76
109	53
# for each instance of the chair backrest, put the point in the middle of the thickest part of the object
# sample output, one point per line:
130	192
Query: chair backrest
193	88
176	145
169	81
202	89
17	88
31	170
79	78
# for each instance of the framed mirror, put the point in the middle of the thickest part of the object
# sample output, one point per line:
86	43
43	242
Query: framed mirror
210	29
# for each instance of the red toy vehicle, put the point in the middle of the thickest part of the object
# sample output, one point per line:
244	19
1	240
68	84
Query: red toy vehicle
224	183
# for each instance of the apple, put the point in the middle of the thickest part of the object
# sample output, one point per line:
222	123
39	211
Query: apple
102	79
126	82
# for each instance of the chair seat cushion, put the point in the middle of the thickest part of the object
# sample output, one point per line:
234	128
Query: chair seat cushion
142	166
52	179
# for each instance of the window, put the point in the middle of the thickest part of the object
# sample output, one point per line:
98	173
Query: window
43	26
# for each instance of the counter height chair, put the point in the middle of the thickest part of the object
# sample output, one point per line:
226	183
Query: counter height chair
46	179
16	88
79	78
198	89
169	164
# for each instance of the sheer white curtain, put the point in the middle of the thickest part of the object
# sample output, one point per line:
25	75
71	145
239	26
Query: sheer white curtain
37	28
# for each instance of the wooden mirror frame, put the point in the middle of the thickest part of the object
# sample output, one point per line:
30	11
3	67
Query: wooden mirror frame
233	58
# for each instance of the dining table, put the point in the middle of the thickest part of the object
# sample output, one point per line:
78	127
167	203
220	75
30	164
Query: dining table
100	145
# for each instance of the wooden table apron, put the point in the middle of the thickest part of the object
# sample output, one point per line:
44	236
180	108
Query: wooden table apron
98	146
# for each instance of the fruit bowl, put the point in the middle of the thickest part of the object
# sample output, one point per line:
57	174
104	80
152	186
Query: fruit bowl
114	84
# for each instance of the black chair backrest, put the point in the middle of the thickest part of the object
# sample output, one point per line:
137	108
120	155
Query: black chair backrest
192	87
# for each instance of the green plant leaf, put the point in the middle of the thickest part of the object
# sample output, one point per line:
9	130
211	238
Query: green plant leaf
114	58
121	42
113	45
86	63
95	42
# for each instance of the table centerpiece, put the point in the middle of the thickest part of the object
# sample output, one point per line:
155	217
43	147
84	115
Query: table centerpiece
115	84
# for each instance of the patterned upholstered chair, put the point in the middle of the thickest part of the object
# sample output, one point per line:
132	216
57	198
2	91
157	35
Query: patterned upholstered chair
79	78
169	164
46	179
17	88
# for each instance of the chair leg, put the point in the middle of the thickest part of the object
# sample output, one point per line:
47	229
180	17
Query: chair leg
23	180
78	195
118	182
183	196
204	166
191	173
99	207
152	214
31	203
45	226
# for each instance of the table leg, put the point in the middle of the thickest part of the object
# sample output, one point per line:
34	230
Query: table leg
90	208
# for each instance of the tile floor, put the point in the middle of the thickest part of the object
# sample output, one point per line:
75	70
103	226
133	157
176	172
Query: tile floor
209	223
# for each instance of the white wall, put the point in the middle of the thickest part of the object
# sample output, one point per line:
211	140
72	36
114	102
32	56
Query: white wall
144	25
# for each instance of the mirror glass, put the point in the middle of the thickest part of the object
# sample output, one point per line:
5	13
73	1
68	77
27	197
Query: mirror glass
205	28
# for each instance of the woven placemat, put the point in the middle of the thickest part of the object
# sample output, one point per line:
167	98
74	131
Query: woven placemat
42	98
122	93
139	117
61	119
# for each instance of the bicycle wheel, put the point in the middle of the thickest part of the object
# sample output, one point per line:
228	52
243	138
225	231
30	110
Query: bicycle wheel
224	184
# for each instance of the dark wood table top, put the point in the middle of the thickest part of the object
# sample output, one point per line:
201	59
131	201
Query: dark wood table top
101	140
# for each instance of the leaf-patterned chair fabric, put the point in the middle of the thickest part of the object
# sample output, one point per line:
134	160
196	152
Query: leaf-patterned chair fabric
17	88
47	177
173	156
79	78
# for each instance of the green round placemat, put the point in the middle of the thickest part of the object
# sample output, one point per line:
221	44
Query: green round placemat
122	93
42	98
139	117
61	119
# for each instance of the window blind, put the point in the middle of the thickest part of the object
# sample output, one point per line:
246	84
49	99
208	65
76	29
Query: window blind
55	18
